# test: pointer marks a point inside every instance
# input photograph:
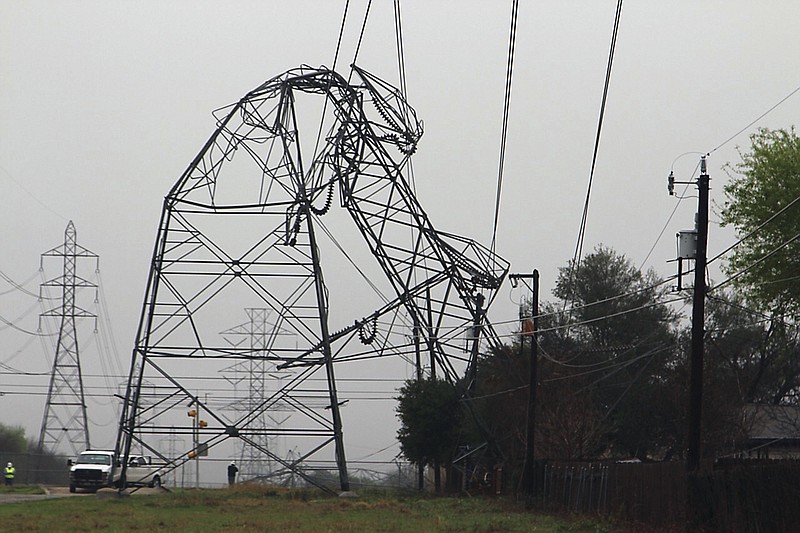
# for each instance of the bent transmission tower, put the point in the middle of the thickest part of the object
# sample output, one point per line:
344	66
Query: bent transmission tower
245	226
64	417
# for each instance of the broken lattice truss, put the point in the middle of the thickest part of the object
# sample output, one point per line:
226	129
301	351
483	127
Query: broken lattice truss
240	230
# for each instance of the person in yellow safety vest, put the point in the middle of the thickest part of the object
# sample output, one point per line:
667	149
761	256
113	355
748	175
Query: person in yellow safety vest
10	471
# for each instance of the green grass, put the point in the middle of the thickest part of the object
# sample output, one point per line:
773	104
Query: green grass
21	489
265	509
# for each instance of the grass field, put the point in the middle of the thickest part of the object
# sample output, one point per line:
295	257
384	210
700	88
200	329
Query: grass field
21	489
263	509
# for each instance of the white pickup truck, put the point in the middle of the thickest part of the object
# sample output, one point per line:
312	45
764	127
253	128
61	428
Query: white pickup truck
95	469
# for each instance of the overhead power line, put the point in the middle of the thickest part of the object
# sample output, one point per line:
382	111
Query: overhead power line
19	287
672	214
610	63
574	308
361	35
756	263
762	115
612	315
720	145
341	33
512	40
756	230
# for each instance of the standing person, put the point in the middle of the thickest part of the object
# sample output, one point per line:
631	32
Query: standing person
10	471
232	470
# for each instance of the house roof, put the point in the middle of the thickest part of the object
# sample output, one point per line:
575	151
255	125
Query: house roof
772	421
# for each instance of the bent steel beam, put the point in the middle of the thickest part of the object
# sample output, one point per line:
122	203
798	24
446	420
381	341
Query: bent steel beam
239	229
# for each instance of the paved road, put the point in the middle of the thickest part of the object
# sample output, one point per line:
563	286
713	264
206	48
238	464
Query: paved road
63	492
51	492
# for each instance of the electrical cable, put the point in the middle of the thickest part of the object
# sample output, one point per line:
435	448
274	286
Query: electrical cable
749	324
21	349
360	38
638	375
401	67
352	262
330	81
764	114
738	306
613	359
373	454
672	214
400	49
616	368
711	152
572	309
341	33
585	215
782	280
756	263
753	232
19	287
29	193
13	371
606	317
498	393
109	344
726	141
10	324
512	40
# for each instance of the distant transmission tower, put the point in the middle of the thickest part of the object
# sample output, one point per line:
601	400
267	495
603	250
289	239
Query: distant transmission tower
64	419
259	374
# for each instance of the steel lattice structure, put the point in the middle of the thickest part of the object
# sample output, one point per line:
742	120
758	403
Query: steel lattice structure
259	375
241	229
64	418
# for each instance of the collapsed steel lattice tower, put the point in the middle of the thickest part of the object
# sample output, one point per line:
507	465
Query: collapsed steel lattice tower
241	229
64	419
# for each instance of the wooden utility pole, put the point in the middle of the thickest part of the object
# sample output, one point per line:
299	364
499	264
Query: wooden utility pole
698	325
418	362
476	343
529	470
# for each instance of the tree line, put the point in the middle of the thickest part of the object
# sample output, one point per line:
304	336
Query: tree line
614	346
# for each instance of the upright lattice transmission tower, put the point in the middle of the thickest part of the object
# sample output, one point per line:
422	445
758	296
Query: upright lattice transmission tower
64	421
259	376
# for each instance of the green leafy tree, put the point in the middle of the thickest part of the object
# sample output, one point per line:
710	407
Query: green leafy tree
753	354
12	439
623	354
766	181
609	370
567	424
430	422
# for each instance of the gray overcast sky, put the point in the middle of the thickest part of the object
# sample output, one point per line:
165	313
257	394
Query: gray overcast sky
103	105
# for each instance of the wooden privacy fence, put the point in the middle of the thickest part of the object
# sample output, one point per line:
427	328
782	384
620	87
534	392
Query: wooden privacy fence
575	488
737	496
747	496
653	494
